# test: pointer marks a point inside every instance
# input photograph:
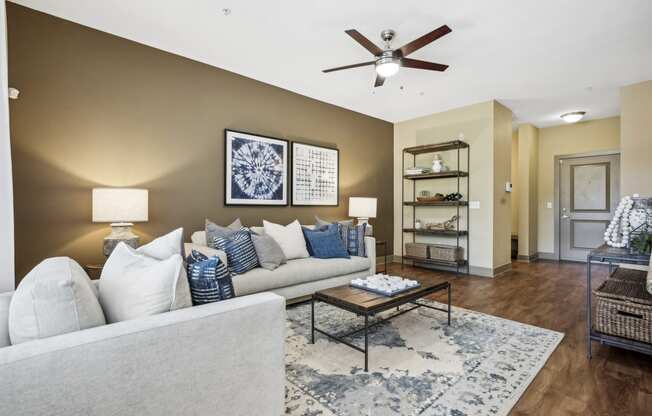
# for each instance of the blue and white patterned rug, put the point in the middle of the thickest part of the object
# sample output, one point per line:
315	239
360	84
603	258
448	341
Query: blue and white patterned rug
480	365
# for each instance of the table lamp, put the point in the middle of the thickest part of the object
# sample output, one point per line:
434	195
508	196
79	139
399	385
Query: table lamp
363	209
121	207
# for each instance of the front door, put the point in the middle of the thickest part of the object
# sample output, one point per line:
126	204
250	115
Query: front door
588	196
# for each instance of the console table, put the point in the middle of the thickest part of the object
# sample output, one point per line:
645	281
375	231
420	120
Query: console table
611	255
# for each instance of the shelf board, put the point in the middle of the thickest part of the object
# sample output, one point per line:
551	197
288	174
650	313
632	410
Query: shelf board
423	231
435	203
436	147
437	175
436	262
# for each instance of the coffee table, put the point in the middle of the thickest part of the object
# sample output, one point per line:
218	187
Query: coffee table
367	304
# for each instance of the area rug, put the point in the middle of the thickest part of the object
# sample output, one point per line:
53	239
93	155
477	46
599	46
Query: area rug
418	365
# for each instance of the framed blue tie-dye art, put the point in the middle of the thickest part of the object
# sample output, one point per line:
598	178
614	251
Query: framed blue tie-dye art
255	169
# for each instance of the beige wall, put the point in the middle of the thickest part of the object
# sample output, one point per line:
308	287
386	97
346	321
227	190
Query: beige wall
515	185
636	139
476	124
528	151
96	110
502	215
583	137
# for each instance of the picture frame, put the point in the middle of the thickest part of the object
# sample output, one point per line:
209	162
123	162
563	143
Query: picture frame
315	175
256	169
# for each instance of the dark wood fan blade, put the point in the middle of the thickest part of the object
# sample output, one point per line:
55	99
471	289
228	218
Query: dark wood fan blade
424	40
415	63
379	81
366	43
349	66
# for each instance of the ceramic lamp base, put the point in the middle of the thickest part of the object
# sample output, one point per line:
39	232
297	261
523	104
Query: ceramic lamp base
369	229
120	232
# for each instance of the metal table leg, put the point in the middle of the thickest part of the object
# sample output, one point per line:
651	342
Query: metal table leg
312	320
366	342
449	304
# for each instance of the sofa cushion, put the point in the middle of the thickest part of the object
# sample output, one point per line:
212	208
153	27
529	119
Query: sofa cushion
55	298
162	248
210	280
289	237
240	251
214	231
134	285
270	254
297	271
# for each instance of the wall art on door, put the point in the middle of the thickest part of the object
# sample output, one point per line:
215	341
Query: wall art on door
315	175
256	169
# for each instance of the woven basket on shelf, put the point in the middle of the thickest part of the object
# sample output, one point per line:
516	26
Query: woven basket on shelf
445	252
416	250
624	307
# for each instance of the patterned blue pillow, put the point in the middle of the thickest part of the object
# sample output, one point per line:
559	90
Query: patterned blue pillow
209	279
353	238
240	251
325	243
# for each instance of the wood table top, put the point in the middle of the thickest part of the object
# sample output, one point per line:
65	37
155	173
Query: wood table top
360	300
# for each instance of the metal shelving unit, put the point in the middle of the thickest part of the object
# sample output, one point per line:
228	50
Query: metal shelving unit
458	146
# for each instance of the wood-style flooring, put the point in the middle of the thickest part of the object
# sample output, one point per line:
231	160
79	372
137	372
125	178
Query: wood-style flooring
553	295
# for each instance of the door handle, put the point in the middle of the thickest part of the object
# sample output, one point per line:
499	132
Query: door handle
565	217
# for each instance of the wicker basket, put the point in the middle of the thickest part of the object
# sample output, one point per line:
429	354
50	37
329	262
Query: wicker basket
445	252
624	308
416	250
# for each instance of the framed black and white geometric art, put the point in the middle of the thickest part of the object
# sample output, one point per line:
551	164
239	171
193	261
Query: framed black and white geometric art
315	175
256	169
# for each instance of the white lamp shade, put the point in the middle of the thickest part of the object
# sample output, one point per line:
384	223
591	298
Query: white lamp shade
362	207
120	205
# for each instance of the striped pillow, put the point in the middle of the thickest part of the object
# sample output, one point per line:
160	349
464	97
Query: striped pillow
209	279
240	251
353	238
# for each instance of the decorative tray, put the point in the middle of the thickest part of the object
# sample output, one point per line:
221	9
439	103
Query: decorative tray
385	285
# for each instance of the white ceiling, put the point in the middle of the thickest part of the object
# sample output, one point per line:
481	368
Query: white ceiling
540	58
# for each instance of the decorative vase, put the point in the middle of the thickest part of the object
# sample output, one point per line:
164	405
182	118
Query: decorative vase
438	164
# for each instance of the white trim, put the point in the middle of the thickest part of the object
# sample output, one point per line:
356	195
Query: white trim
7	271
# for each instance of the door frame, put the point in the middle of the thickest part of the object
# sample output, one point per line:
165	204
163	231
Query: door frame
556	255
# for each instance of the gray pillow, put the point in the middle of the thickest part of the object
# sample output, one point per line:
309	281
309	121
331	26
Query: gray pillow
319	223
269	252
213	230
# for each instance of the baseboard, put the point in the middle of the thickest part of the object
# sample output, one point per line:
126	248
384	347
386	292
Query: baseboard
527	258
473	270
547	256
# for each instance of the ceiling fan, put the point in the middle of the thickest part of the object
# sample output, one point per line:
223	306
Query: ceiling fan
388	61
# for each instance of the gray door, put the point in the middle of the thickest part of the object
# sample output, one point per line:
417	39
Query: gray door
588	196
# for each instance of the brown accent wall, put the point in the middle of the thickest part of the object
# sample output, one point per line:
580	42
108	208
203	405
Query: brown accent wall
98	110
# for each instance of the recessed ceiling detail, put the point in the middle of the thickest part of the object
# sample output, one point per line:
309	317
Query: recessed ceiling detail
537	58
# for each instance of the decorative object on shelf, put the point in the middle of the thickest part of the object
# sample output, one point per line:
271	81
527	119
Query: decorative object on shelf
434	198
315	175
445	252
454	196
363	209
438	164
641	243
424	193
617	233
417	250
256	169
417	170
417	225
385	284
121	207
446	225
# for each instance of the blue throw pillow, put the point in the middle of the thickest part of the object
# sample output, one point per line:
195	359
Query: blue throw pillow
308	230
240	251
325	243
209	279
353	238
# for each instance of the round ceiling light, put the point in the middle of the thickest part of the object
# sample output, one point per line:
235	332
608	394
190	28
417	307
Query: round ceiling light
573	117
386	67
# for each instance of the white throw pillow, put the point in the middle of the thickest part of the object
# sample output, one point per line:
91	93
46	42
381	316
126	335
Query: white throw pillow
55	298
134	285
163	248
289	237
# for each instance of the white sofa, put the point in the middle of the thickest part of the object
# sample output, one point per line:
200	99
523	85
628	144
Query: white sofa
300	277
224	358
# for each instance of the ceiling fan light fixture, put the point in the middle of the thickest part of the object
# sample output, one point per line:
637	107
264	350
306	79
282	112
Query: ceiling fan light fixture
387	67
573	117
